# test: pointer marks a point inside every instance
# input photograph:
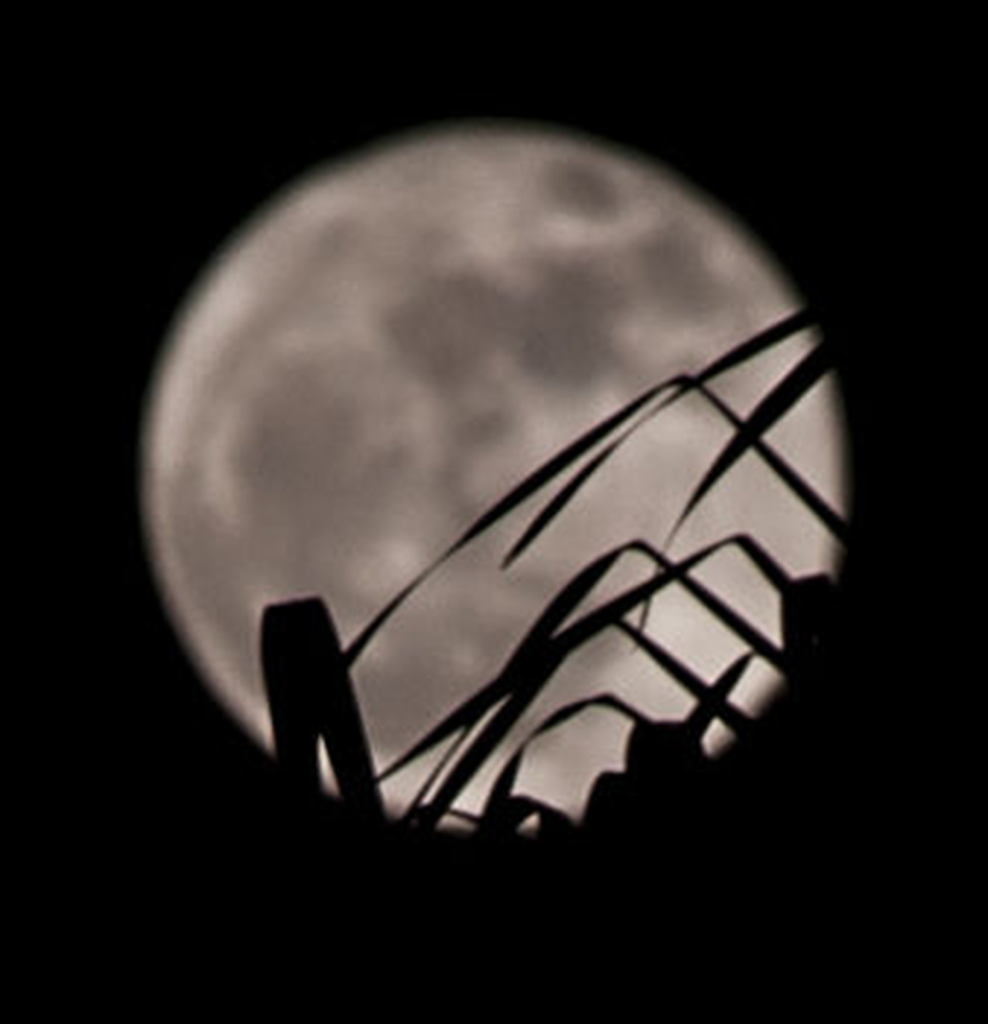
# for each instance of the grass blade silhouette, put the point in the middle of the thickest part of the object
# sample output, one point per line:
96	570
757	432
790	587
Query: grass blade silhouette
311	695
796	483
520	493
540	655
793	480
765	415
357	646
504	811
459	723
501	791
782	329
546	646
692	683
502	797
527	679
460	720
767	565
569	711
502	807
673	571
714	703
572	453
559	501
680	385
527	652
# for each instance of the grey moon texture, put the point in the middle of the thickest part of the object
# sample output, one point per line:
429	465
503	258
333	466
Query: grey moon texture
398	337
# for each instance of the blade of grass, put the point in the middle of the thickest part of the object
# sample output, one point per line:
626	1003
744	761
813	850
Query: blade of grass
769	567
501	791
766	414
472	710
305	670
527	678
766	564
685	676
356	646
715	700
440	767
759	343
559	501
542	651
803	491
616	609
529	652
540	655
711	703
460	720
796	483
681	385
564	714
571	454
532	483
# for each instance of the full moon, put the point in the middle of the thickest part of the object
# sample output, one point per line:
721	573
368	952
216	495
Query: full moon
396	339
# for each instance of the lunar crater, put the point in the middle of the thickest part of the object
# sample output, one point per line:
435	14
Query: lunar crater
582	189
554	325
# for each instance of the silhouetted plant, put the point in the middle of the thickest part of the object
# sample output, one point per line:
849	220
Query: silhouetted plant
312	696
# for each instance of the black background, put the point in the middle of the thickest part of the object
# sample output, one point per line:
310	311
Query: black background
143	798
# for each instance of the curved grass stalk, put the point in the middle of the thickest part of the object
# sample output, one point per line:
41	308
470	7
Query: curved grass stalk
500	812
669	391
526	652
767	413
692	683
549	644
790	478
501	794
793	480
467	715
619	607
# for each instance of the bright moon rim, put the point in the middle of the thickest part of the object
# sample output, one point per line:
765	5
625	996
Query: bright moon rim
396	339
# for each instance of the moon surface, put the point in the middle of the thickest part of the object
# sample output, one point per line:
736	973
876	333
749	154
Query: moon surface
397	338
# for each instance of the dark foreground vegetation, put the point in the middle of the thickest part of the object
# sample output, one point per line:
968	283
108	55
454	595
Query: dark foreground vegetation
671	800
